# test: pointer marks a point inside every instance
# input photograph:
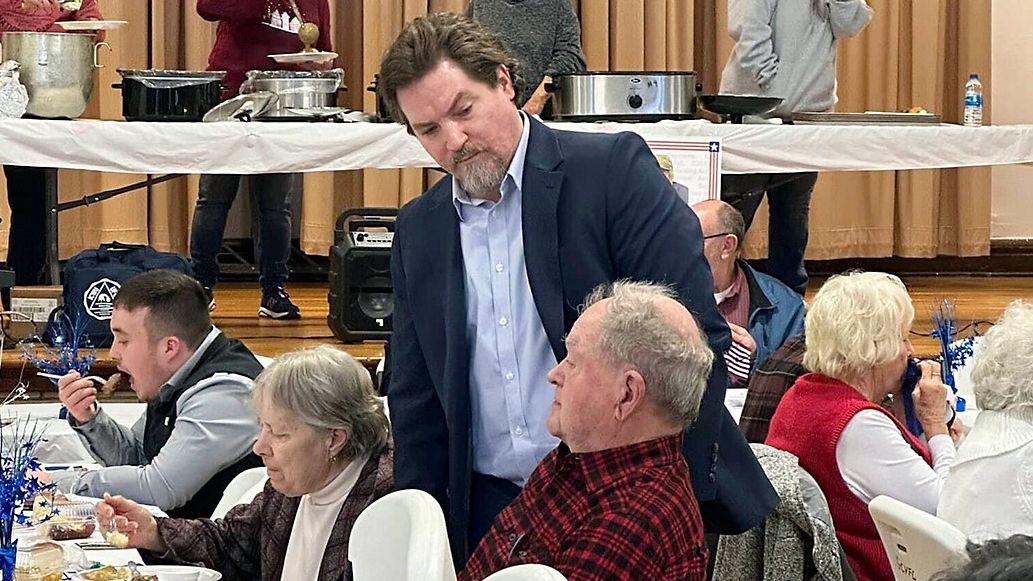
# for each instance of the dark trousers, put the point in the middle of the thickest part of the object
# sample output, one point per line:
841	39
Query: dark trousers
26	241
488	496
271	192
789	206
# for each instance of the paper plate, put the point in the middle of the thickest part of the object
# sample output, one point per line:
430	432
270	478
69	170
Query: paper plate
91	24
293	58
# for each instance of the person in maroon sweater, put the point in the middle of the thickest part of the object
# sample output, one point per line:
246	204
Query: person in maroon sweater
614	501
25	185
857	347
249	31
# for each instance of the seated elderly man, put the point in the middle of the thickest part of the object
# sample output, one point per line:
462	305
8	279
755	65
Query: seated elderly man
761	312
614	500
197	432
326	445
989	492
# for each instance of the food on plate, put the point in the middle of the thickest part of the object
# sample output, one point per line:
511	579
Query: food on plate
43	561
916	109
118	539
43	505
65	529
108	573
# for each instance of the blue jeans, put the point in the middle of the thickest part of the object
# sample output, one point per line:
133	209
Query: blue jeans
789	206
271	192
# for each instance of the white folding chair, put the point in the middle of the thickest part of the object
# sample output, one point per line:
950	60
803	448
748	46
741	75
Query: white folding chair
242	489
918	544
527	573
401	537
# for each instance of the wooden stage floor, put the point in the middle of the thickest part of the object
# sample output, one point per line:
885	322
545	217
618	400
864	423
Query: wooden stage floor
977	298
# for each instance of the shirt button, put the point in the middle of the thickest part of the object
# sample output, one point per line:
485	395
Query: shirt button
503	321
512	537
522	554
519	431
509	376
498	267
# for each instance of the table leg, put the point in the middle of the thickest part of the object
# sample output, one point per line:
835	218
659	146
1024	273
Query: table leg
52	273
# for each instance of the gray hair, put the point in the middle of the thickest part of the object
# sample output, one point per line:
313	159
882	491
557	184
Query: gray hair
1002	362
674	365
326	389
853	323
730	221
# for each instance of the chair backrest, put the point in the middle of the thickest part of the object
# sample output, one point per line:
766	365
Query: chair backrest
242	489
527	573
918	544
401	537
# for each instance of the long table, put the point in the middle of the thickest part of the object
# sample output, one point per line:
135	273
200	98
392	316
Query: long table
250	148
254	148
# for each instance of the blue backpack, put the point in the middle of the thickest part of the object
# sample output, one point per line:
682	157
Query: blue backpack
91	282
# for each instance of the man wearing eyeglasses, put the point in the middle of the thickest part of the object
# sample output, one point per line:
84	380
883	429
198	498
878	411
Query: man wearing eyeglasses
761	311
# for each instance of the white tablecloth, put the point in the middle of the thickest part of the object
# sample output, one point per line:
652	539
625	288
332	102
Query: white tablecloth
193	148
62	444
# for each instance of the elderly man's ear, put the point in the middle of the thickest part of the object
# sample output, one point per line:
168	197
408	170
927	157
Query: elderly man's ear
729	246
633	394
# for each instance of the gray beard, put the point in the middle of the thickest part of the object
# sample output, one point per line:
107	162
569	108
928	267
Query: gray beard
482	180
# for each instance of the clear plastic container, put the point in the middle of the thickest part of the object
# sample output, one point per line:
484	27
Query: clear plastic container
67	529
42	561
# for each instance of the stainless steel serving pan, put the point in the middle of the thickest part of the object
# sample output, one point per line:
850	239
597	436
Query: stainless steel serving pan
624	96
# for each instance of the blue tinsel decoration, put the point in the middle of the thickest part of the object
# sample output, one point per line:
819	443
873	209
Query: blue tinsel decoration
68	337
952	357
18	467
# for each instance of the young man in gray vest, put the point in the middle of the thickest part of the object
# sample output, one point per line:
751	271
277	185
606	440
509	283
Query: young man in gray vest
199	427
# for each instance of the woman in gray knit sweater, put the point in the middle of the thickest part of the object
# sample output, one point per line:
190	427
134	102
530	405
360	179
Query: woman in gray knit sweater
544	34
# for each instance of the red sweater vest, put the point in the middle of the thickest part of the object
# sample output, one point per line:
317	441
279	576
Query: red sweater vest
808	423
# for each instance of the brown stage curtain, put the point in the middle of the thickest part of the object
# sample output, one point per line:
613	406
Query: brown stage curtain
913	53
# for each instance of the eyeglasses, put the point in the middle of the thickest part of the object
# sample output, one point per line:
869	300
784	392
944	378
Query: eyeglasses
717	235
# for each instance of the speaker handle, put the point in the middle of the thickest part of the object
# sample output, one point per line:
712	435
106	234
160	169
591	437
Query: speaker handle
360	218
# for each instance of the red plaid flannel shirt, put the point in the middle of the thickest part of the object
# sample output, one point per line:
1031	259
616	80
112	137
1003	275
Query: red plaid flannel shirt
624	513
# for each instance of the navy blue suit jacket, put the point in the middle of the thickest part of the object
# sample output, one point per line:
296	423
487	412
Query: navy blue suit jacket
596	208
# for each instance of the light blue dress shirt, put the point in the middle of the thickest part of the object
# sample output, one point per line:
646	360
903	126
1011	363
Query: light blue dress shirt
510	355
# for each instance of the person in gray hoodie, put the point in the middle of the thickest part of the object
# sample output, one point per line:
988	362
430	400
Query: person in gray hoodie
787	49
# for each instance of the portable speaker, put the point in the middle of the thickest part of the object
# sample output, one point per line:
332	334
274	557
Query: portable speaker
360	297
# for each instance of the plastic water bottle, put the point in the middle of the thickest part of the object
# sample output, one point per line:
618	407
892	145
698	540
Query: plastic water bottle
973	116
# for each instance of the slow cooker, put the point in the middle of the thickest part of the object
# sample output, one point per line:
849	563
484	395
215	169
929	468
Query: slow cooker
624	96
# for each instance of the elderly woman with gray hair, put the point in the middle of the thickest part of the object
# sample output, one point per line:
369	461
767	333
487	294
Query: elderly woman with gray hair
857	330
989	493
326	445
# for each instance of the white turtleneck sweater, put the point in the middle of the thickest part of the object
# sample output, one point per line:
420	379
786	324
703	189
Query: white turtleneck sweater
314	522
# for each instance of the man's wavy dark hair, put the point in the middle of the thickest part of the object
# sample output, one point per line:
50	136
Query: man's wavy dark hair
428	40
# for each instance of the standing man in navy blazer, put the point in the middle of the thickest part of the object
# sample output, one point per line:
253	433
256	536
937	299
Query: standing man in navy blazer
489	268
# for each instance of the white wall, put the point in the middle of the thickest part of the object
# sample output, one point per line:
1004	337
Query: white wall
1012	94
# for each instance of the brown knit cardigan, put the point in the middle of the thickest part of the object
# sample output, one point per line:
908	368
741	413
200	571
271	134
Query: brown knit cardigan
250	542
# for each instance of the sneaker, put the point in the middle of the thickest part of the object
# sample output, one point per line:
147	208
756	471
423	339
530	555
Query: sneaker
277	305
210	295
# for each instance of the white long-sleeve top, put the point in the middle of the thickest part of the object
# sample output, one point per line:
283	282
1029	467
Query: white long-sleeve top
896	470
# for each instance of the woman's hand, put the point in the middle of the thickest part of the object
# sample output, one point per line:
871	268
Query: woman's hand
930	398
130	519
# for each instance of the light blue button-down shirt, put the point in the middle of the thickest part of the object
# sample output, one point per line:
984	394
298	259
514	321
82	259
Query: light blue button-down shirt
510	355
